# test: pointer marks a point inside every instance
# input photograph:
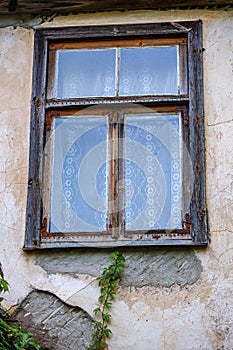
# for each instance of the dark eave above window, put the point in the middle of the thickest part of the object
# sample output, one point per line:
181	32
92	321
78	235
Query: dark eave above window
46	7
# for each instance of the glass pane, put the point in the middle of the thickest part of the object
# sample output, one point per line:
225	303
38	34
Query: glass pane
153	172
79	177
86	73
148	71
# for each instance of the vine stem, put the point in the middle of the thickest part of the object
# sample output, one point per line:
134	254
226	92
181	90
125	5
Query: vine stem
108	283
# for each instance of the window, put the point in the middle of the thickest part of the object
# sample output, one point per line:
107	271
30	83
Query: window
117	137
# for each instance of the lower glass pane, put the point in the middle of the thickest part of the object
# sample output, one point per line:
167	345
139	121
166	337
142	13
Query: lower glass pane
153	172
79	175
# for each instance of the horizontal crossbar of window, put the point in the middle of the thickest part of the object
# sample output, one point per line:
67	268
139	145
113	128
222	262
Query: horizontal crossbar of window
134	99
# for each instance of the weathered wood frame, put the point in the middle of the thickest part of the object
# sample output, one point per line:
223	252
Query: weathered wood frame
197	220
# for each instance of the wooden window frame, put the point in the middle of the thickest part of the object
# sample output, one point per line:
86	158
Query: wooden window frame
195	222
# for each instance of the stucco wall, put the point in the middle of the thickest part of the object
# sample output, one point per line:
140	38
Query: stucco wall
170	298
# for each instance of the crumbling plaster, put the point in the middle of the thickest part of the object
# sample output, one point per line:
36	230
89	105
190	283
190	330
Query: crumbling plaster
196	314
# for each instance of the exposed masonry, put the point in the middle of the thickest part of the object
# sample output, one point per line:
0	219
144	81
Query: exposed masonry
24	21
55	324
37	20
144	267
68	6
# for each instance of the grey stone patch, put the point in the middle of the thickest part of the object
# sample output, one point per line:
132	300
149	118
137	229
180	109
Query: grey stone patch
24	21
55	324
79	261
161	267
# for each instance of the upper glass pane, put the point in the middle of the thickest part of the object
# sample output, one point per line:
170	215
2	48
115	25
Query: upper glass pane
79	175
153	172
112	72
85	73
149	71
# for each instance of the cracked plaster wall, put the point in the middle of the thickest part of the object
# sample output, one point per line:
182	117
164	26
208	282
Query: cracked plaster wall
179	299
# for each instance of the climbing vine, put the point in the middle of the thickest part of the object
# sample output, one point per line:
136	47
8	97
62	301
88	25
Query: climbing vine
108	283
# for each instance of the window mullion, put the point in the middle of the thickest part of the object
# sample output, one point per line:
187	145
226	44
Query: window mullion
121	172
115	170
117	71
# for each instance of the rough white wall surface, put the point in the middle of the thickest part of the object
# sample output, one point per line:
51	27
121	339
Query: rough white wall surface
16	54
196	314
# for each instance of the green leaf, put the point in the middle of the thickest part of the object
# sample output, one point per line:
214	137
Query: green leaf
107	332
106	317
107	304
4	286
112	284
97	310
97	325
102	281
103	290
114	256
95	335
101	299
112	294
